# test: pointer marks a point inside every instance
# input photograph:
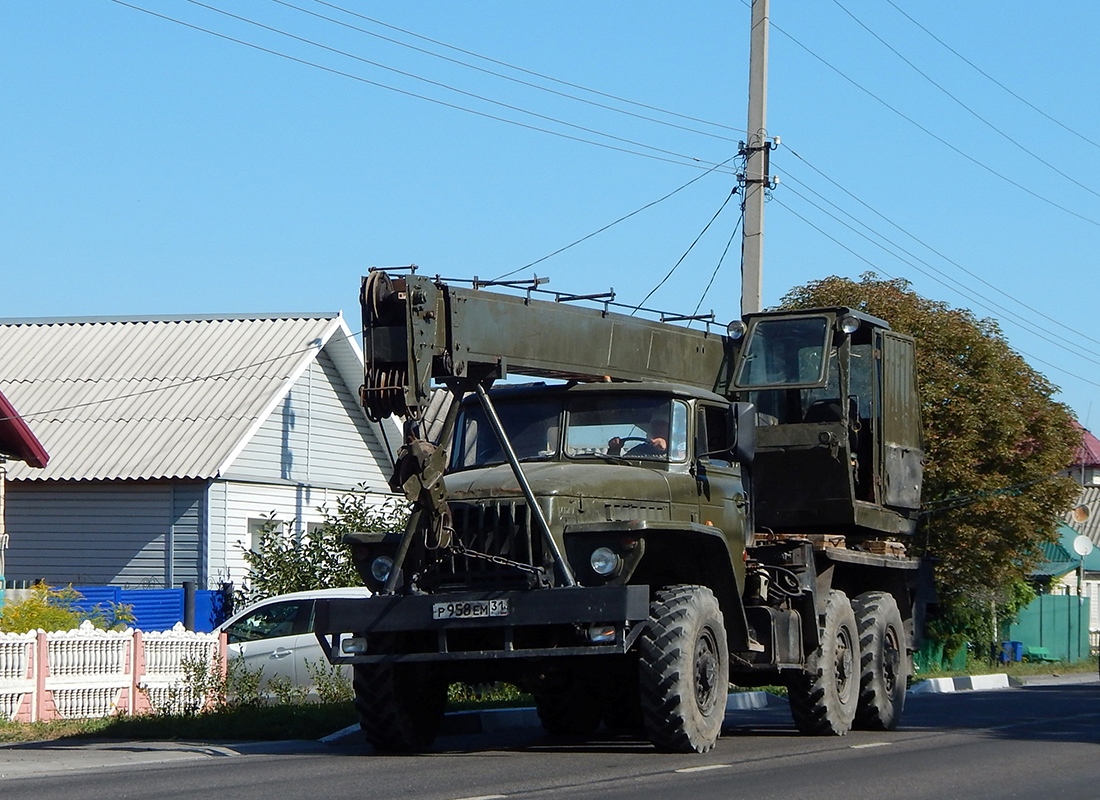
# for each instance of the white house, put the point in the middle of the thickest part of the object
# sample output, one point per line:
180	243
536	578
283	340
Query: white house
172	439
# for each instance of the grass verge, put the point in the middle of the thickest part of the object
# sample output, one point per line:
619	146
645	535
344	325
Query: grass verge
246	723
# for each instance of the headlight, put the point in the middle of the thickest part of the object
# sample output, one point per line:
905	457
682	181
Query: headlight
605	561
736	329
849	324
381	568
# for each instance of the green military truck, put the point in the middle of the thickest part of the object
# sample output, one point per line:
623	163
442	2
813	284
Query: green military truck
678	510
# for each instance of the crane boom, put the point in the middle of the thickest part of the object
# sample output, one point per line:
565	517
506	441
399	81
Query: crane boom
454	334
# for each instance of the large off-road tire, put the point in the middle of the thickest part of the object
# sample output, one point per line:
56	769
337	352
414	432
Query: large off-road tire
683	670
568	705
885	662
824	696
400	706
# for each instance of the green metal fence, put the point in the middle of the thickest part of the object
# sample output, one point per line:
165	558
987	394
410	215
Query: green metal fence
1054	628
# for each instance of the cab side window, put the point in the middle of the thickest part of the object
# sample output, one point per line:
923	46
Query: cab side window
713	434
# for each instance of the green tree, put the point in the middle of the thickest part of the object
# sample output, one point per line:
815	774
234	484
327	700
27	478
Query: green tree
319	560
995	444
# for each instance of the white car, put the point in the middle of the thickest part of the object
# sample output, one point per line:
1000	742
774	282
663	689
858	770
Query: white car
277	634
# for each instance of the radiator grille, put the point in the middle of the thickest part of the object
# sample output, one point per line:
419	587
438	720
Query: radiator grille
495	529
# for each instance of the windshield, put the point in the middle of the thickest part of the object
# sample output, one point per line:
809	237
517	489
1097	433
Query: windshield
614	424
532	427
785	352
630	426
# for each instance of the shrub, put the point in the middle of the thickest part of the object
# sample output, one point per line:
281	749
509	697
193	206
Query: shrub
319	560
53	609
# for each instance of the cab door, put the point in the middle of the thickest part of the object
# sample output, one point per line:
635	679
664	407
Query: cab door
723	501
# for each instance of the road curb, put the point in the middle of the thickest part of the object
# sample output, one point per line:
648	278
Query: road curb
962	683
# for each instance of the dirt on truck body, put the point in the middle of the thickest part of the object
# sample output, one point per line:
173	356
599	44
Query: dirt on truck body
681	510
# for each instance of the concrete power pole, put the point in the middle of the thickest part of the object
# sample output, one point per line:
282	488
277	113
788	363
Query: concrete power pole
756	164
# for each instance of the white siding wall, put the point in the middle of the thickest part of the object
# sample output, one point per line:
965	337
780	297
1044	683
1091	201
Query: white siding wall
292	505
97	533
317	436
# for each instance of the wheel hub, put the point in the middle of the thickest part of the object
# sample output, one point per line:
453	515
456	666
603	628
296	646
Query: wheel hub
891	659
706	669
844	664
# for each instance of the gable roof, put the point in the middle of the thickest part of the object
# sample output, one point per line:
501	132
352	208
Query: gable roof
165	397
16	438
1088	452
1061	558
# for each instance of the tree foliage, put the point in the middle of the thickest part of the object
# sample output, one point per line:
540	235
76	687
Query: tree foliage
319	560
995	442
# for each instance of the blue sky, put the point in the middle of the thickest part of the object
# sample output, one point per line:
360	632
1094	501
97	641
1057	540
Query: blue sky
151	168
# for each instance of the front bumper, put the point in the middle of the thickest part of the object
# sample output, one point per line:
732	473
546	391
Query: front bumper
540	623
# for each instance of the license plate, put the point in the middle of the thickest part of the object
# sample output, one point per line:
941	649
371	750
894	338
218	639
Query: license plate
470	609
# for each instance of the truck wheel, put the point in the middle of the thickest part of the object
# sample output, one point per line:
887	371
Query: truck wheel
683	670
400	706
885	662
824	696
568	705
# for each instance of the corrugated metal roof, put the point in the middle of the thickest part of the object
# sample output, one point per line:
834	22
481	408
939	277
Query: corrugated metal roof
161	397
1062	558
17	440
1090	499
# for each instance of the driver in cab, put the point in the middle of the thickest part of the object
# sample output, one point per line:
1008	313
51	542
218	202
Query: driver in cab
655	443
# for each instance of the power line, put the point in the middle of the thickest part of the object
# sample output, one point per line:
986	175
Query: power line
959	287
993	80
436	84
693	162
934	135
946	258
721	259
540	75
612	224
685	255
494	73
875	267
1027	150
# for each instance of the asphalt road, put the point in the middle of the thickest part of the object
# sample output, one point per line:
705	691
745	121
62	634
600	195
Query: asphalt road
1037	741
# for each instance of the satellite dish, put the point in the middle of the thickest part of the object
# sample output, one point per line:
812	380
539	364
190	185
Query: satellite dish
1080	514
1082	545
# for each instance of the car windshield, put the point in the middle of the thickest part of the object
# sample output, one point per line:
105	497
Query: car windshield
613	424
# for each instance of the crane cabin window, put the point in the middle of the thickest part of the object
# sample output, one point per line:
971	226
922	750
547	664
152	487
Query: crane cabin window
785	352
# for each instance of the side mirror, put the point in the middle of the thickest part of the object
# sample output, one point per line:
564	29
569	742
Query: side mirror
744	432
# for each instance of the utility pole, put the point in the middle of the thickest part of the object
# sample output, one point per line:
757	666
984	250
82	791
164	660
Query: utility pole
756	150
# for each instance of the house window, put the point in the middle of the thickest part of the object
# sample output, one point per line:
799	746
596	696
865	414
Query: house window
256	528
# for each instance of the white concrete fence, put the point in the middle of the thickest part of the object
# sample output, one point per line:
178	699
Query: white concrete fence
85	673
